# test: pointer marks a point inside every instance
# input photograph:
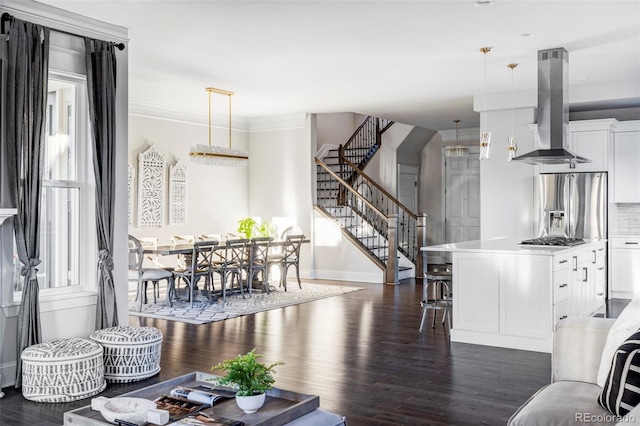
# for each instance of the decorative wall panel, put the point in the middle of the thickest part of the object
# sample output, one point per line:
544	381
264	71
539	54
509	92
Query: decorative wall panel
131	176
151	187
178	194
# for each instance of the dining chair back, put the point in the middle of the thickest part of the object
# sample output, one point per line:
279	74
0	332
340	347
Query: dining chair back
209	237
290	256
200	266
232	259
258	263
143	275
183	260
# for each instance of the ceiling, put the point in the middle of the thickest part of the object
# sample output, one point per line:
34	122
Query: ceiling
415	62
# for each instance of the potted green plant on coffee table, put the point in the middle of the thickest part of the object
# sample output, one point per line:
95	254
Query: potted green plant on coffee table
250	377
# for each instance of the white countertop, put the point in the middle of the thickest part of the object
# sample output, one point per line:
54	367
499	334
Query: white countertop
501	245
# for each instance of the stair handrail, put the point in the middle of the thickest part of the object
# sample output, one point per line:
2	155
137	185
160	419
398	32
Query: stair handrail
355	134
350	188
380	188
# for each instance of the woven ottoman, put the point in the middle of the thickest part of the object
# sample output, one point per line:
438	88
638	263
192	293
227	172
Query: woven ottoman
62	370
130	353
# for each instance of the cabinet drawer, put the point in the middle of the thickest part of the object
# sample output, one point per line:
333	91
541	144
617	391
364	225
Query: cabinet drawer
561	261
561	284
560	310
628	243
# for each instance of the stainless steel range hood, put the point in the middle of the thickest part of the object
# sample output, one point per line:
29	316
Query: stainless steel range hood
553	111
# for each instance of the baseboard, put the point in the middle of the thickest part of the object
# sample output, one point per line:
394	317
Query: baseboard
349	276
7	374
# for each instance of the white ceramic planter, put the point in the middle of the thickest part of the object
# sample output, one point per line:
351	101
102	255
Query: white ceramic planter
250	404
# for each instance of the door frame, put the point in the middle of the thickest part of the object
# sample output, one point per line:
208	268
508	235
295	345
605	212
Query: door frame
415	170
473	150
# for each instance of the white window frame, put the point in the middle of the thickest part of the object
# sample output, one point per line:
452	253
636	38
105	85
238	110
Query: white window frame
85	182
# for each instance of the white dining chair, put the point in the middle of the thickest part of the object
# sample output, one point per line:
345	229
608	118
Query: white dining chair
143	275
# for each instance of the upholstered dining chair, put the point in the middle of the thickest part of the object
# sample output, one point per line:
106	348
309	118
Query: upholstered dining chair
200	266
231	261
209	237
151	261
258	262
143	275
290	256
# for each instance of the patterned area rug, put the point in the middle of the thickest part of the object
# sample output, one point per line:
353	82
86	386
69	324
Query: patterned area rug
204	311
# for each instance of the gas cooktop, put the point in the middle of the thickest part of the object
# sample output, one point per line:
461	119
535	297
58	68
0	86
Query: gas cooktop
553	241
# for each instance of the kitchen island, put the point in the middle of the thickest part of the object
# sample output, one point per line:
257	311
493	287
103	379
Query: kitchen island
511	296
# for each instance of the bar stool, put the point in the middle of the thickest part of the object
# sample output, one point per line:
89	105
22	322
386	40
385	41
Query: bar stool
436	293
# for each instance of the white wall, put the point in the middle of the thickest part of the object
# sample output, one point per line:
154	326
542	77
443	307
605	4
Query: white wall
282	178
216	195
507	187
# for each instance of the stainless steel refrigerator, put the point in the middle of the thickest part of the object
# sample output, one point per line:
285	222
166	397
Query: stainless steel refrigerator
572	205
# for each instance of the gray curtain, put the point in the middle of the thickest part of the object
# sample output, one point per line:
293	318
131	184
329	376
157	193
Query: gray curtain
28	64
101	83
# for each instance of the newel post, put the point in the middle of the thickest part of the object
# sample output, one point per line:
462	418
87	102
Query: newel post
391	274
421	241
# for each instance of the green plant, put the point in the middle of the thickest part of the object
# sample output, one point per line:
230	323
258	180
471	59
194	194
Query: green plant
246	226
266	229
247	374
249	227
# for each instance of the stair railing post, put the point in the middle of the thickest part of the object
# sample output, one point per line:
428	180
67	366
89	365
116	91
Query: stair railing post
421	240
391	273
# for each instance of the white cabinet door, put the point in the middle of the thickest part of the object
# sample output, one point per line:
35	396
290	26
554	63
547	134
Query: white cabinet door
625	267
626	154
592	144
475	292
525	296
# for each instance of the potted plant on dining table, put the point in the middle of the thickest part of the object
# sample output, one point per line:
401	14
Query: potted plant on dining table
250	377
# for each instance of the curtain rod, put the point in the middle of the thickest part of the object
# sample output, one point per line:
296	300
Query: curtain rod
8	17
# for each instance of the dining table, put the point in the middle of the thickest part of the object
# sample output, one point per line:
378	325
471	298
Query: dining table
187	248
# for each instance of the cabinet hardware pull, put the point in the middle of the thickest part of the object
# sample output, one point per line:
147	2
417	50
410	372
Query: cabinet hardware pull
563	261
601	268
586	278
631	242
575	263
563	317
599	294
594	256
563	285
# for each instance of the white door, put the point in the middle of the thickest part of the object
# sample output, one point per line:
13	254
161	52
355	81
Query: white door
408	186
462	198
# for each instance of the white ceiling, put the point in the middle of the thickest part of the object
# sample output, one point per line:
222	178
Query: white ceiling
416	62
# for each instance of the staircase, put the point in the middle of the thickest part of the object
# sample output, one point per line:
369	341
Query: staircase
385	230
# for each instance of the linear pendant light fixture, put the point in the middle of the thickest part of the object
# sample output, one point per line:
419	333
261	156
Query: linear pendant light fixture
485	135
512	144
456	150
219	155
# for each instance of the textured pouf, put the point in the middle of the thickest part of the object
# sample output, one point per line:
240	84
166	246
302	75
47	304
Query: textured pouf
62	370
130	353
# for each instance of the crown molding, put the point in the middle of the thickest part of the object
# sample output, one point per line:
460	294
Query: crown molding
141	108
278	122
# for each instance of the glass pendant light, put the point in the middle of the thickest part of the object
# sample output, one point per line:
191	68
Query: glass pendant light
512	143
485	135
456	150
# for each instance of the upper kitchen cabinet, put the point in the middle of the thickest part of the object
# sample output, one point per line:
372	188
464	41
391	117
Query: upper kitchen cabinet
590	139
626	163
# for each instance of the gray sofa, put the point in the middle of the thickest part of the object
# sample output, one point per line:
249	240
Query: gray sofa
572	396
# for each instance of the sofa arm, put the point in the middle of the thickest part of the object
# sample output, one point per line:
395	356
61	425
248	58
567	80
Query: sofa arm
577	347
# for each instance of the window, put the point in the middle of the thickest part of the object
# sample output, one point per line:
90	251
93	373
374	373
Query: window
67	216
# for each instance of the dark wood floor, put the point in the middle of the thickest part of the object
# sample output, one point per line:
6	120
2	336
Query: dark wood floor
360	352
